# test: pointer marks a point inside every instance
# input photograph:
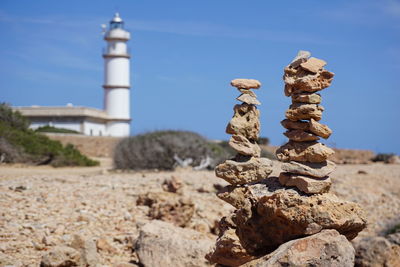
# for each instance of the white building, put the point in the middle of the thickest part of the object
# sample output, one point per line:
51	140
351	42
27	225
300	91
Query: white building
115	119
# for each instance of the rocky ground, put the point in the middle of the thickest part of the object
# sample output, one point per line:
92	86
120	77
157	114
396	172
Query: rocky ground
42	208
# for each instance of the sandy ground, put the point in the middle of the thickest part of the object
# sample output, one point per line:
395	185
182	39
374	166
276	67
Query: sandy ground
41	207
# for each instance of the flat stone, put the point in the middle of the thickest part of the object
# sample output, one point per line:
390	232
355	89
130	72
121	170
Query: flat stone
238	173
249	92
318	169
304	151
243	146
327	248
306	184
248	99
300	80
246	83
301	57
300	136
313	64
245	121
309	98
310	126
300	111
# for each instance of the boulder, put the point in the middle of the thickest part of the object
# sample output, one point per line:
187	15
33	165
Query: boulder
313	65
375	252
169	207
248	99
300	80
243	146
306	184
281	214
301	111
87	248
61	256
237	173
327	248
309	98
300	136
317	169
163	244
304	151
310	126
246	83
245	121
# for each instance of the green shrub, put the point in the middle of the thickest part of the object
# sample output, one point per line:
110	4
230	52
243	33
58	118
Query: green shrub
18	144
384	157
51	129
157	150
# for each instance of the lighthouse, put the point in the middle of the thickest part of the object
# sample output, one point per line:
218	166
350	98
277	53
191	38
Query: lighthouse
116	78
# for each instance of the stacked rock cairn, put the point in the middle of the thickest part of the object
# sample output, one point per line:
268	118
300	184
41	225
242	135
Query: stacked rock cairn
291	220
305	160
247	166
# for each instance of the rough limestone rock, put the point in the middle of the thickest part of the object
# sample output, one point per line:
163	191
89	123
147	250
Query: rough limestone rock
61	256
301	57
377	251
306	184
243	146
245	121
163	244
248	99
169	207
228	250
88	250
300	80
311	126
301	111
300	136
237	196
394	238
246	83
327	248
282	214
252	170
304	151
319	170
309	98
313	64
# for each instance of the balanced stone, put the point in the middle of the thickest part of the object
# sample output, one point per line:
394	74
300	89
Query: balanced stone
316	169
310	126
301	57
304	151
245	121
243	146
300	111
248	99
306	184
238	173
300	136
313	64
299	80
246	83
309	98
249	92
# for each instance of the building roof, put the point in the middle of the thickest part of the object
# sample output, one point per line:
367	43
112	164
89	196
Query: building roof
67	111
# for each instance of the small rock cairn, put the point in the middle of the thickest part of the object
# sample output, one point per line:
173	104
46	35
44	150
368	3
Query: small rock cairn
305	159
247	166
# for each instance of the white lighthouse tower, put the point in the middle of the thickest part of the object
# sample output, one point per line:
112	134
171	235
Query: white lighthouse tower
116	78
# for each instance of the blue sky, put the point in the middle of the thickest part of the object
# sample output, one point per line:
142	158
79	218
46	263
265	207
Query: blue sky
184	54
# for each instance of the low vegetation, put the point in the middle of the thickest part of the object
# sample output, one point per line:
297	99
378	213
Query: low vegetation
51	129
164	150
19	144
